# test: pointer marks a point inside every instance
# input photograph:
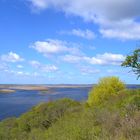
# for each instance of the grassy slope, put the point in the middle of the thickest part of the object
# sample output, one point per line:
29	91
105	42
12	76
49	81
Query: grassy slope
117	118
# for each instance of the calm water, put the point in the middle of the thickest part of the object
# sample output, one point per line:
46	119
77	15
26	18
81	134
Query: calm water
17	103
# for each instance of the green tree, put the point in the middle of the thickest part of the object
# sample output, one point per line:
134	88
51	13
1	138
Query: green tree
106	87
133	61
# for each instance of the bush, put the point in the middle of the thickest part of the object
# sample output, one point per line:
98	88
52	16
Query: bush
99	124
43	115
106	87
32	124
116	117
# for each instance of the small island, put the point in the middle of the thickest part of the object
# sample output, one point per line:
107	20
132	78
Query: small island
14	88
7	91
29	87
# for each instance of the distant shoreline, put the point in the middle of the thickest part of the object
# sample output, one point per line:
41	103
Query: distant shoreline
13	88
39	87
3	91
43	88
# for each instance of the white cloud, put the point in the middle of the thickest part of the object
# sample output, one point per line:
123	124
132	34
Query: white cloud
43	67
11	57
50	47
87	34
41	4
100	59
35	64
19	66
23	73
106	13
19	73
109	58
124	30
91	9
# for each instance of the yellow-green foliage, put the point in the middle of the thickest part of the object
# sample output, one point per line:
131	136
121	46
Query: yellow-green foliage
117	121
113	114
106	87
65	119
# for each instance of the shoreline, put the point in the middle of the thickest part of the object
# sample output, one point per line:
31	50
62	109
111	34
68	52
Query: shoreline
40	87
11	89
3	91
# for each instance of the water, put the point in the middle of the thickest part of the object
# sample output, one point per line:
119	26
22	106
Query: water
14	104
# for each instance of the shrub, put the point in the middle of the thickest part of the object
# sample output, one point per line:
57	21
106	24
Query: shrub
32	124
43	115
65	119
106	87
106	123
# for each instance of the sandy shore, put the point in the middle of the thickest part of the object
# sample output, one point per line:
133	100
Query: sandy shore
23	87
6	91
40	88
13	88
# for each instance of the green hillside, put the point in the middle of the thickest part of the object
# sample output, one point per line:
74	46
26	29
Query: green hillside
111	112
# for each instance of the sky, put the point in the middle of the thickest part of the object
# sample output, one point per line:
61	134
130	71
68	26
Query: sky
67	41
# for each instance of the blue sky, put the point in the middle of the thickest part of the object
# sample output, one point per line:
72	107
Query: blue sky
67	41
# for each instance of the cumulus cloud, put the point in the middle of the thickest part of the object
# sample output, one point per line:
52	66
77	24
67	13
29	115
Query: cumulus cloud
107	58
124	30
50	47
91	9
99	59
11	57
106	13
43	67
64	52
87	34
